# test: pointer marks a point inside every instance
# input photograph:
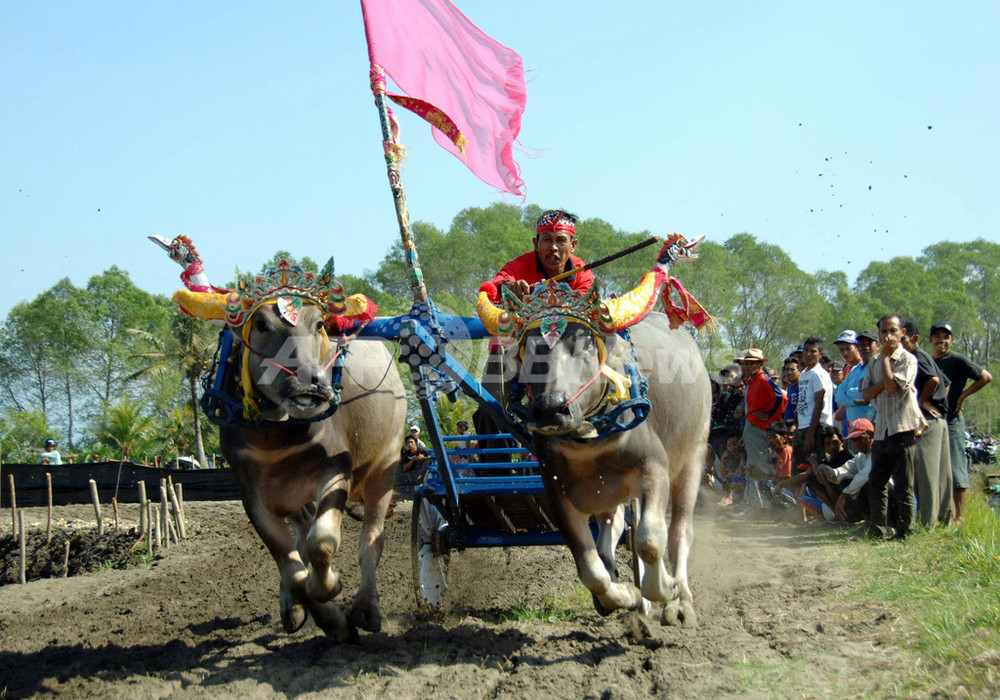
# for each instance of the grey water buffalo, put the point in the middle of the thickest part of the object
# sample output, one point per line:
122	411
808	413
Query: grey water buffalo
659	461
298	471
565	373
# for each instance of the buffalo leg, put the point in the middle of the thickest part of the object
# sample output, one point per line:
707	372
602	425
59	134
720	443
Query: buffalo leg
276	536
684	493
651	544
323	539
610	526
575	528
365	611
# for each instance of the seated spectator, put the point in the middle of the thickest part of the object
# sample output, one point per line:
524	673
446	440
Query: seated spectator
837	373
413	466
853	502
732	471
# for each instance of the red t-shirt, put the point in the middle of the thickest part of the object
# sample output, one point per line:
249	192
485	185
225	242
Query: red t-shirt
528	268
783	466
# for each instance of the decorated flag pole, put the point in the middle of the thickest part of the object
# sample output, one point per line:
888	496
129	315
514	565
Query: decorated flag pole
465	84
393	156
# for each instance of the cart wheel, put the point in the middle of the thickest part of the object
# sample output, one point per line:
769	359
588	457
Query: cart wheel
428	571
638	566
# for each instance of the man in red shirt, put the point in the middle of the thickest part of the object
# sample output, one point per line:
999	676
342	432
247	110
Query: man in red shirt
765	403
555	240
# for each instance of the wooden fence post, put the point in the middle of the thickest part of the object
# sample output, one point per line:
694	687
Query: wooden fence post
13	506
155	516
178	513
147	506
97	507
21	563
143	509
48	523
164	514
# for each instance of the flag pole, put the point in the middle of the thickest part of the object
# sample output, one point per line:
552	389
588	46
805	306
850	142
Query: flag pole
393	157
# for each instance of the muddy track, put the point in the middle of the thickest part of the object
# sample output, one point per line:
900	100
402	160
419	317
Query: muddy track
203	621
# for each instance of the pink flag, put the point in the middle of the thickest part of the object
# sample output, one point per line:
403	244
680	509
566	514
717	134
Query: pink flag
469	87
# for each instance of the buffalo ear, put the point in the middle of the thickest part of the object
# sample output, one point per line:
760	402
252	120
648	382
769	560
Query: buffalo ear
511	304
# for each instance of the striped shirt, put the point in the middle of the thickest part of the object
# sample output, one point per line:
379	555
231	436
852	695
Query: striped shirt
899	412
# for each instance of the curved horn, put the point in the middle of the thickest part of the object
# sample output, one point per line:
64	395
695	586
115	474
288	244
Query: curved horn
489	313
207	306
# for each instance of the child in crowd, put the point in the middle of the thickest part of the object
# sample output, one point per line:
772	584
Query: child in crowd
732	471
777	440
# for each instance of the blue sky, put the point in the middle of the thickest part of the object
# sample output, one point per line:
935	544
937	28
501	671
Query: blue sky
844	132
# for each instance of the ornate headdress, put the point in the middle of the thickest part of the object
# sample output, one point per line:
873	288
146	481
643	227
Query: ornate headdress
555	220
550	307
288	286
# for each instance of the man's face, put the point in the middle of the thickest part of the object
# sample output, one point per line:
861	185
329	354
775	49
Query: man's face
848	351
867	348
889	329
750	367
910	341
832	444
554	249
863	442
811	355
941	341
790	373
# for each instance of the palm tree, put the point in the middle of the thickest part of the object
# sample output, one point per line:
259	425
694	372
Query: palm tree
188	349
125	426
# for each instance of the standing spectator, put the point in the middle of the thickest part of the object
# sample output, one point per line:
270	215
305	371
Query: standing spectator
932	458
836	376
764	403
851	404
728	409
790	380
891	384
815	403
847	346
959	369
51	454
462	428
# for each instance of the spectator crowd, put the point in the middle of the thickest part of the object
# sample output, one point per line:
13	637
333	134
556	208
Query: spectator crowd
874	433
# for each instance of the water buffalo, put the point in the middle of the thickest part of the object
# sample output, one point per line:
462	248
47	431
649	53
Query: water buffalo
296	463
571	368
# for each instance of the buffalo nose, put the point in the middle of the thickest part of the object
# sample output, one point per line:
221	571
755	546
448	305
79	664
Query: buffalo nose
313	376
549	408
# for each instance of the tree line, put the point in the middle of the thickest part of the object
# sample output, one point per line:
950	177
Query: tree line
115	370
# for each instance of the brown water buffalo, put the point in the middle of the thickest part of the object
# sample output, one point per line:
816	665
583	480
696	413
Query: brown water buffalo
291	471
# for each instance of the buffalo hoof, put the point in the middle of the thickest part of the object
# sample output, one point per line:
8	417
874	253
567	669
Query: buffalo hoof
679	613
330	618
599	607
293	613
367	617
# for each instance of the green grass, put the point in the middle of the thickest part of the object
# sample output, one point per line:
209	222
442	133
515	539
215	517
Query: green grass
561	609
945	583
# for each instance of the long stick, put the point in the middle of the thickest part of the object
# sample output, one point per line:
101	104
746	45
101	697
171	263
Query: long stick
176	505
143	509
48	523
97	507
417	289
21	562
13	507
609	258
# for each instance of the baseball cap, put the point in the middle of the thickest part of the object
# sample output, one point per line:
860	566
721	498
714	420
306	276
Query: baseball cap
941	326
414	427
860	427
847	336
838	365
868	335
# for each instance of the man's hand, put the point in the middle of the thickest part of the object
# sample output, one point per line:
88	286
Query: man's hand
889	346
519	287
929	407
824	472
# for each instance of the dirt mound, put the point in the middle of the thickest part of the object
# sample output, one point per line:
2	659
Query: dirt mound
88	552
204	620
